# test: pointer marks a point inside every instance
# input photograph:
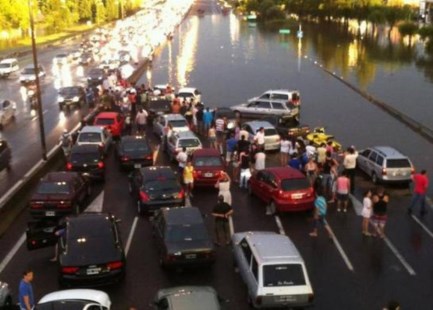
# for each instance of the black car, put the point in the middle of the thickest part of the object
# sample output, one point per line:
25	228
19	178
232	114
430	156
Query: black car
91	251
134	152
96	76
154	188
71	96
290	128
182	238
87	159
86	58
5	155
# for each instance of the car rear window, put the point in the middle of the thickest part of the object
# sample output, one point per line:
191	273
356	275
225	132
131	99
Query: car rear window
53	188
207	161
270	132
189	142
104	121
85	157
63	305
283	275
161	185
185	232
135	146
178	123
398	163
89	137
294	184
86	228
280	96
183	95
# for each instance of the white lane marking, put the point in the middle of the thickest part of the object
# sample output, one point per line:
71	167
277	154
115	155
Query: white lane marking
12	252
399	256
422	225
429	202
279	225
96	204
188	201
340	249
357	205
231	226
131	234
34	168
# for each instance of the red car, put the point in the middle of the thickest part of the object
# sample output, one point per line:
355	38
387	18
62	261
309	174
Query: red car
208	166
112	121
283	188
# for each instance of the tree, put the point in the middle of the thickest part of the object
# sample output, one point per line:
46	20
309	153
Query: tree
376	16
84	8
408	29
393	15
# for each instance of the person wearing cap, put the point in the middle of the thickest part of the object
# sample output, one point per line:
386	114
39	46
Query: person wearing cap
221	213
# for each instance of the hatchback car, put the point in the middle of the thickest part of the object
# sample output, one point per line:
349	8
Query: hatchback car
177	141
177	122
154	188
71	96
59	194
208	167
95	135
182	237
284	189
5	155
28	75
91	251
272	138
75	299
134	152
187	297
112	121
188	93
8	67
87	159
7	111
385	164
261	107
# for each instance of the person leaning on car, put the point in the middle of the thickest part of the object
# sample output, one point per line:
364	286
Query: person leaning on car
222	212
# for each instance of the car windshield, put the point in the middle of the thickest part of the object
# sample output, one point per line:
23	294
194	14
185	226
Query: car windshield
100	228
160	185
398	163
189	142
4	65
283	275
207	161
29	71
89	137
178	123
270	132
104	121
187	95
135	146
68	91
53	188
294	184
186	232
85	157
63	305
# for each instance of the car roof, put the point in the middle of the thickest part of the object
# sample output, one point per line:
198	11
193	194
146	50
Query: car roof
98	129
388	152
107	115
171	117
59	176
257	124
8	60
156	172
280	91
286	172
89	217
187	90
182	215
207	152
191	297
78	294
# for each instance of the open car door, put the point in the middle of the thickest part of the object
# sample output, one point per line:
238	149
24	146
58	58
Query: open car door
41	234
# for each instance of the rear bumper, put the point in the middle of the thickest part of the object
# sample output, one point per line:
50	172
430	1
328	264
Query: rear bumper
153	206
131	164
304	205
97	174
205	182
92	281
50	213
272	146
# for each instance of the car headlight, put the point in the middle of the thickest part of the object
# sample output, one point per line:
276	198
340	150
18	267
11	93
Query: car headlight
100	78
60	99
75	99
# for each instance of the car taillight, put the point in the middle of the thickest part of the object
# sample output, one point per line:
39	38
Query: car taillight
149	157
383	171
36	205
69	166
124	158
258	300
100	164
115	265
64	204
69	270
144	197
181	194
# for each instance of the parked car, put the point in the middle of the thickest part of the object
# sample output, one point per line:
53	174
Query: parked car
188	93
62	59
385	164
29	74
91	251
112	121
96	135
155	187
318	136
71	96
272	138
208	166
86	58
5	155
187	297
59	194
284	189
9	67
179	140
5	296
7	111
75	299
177	121
291	96
261	107
288	128
87	159
134	152
95	77
272	269
182	237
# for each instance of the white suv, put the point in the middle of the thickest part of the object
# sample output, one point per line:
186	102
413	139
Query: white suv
8	67
179	140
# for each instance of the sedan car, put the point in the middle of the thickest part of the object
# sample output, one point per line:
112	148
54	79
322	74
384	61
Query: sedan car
75	299
59	194
187	297
154	188
112	121
95	77
7	111
284	189
177	122
5	154
91	251
87	159
71	96
261	107
190	93
5	296
182	237
134	152
208	167
96	135
29	74
272	138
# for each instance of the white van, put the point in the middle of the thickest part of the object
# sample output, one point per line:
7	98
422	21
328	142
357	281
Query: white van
9	67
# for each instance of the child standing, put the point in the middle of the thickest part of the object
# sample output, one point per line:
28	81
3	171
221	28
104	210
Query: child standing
366	212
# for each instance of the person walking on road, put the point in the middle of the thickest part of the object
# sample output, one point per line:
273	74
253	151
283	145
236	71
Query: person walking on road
223	186
380	207
320	208
342	189
188	178
26	298
222	213
141	121
420	181
366	212
349	163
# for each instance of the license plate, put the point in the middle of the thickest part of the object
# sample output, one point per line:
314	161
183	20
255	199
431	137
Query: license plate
190	256
297	196
137	165
50	213
93	271
208	175
286	298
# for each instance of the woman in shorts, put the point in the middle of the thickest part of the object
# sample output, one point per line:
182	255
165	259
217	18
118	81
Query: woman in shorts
343	188
366	212
188	178
211	134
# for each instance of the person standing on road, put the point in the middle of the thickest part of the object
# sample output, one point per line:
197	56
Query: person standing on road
320	208
260	159
284	151
182	158
420	181
349	163
244	160
207	119
342	189
222	212
211	134
259	138
188	178
220	127
26	298
380	207
230	147
141	121
366	212
223	186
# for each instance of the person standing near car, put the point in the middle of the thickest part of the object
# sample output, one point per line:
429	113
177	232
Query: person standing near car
26	298
320	209
223	185
182	158
222	213
420	181
207	119
380	208
141	121
220	127
244	164
349	163
259	138
284	151
342	189
188	178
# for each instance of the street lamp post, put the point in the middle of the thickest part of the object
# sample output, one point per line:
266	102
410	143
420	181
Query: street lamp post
38	92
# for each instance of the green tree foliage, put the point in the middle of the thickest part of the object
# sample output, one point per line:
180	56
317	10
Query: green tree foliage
426	32
84	9
408	29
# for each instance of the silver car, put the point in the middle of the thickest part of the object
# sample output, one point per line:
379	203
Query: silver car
29	74
5	296
177	121
272	138
185	139
187	297
7	111
262	107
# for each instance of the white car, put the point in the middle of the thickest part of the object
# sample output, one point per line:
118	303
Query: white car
79	299
8	67
5	295
292	96
188	93
29	74
7	111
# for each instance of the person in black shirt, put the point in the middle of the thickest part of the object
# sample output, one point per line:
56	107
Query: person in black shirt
199	118
222	212
243	145
244	160
380	207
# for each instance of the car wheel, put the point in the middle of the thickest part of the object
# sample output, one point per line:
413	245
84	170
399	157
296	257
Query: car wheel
374	178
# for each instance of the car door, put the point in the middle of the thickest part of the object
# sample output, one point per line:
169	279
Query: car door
362	160
371	163
263	108
250	110
260	184
244	265
269	187
278	108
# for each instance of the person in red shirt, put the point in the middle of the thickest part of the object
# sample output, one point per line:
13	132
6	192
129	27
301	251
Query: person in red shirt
420	181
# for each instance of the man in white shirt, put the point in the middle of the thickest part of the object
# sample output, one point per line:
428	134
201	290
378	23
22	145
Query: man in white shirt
260	158
310	149
349	163
141	121
259	138
182	158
